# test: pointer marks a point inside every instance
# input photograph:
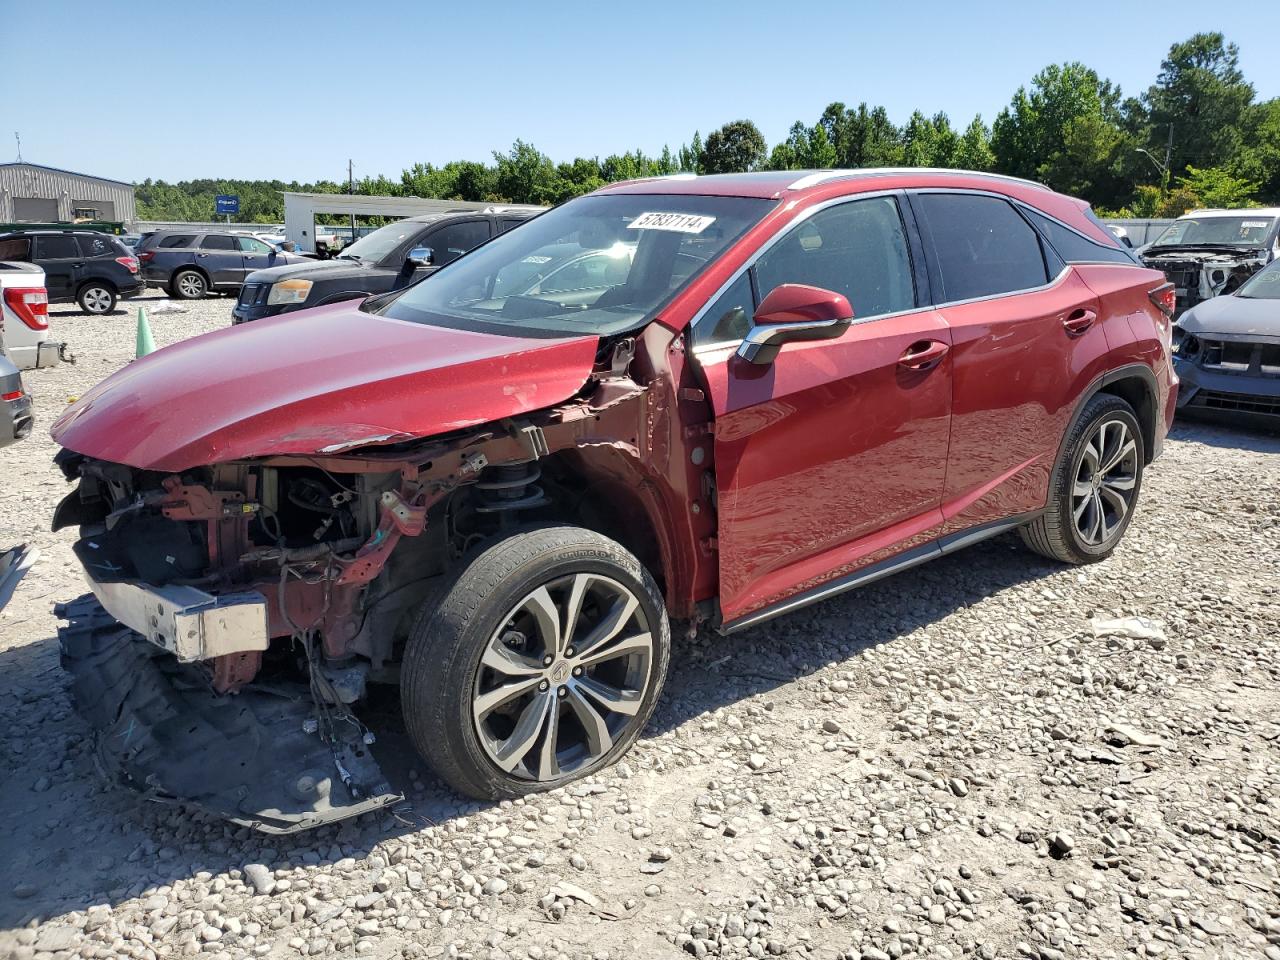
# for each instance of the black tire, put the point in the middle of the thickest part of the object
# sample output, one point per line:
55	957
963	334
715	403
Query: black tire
188	285
442	674
1057	532
97	297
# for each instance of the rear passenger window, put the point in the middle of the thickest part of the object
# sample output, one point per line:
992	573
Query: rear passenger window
175	242
1073	247
857	248
97	246
215	241
982	246
60	247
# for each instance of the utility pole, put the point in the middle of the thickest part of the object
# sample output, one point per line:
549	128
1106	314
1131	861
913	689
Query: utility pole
351	189
19	139
1168	156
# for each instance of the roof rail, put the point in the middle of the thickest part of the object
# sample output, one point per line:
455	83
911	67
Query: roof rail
824	176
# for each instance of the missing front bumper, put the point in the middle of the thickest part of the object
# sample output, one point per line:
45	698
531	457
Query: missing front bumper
189	623
160	728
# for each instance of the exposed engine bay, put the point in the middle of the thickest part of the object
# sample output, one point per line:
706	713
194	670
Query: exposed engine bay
273	592
1203	276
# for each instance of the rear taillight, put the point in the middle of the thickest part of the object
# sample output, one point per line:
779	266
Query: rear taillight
1166	299
147	255
129	263
30	305
15	395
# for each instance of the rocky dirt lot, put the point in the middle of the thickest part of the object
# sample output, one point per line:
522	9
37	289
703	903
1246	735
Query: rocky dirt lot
951	763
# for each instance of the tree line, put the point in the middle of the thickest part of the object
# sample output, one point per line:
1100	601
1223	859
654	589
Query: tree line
1198	136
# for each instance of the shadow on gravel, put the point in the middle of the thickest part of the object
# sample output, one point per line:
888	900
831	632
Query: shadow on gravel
70	841
1229	431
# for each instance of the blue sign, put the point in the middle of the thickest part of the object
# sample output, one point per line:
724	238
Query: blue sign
227	203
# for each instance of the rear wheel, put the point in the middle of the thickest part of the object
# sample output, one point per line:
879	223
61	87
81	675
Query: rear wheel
538	663
188	285
1095	485
97	298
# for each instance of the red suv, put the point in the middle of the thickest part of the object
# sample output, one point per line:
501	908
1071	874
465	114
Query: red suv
711	399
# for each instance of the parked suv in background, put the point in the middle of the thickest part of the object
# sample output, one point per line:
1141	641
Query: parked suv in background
188	264
391	257
93	269
774	388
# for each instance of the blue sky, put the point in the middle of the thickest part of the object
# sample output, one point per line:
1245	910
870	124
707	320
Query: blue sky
290	90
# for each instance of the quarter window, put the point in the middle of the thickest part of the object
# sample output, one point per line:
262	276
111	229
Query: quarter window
175	242
982	246
857	248
97	246
1073	247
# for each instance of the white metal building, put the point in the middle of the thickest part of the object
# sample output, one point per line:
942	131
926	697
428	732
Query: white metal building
300	210
30	193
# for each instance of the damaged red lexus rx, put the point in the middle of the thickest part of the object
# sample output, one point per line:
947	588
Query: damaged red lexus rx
709	400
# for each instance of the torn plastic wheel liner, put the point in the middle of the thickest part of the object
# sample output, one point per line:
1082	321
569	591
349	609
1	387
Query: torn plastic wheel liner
252	758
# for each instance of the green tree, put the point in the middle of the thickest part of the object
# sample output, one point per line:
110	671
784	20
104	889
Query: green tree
929	142
1259	158
735	148
690	157
973	152
1201	92
1066	131
525	175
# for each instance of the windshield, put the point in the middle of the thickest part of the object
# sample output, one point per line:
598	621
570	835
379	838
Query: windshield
1263	285
382	241
598	264
1242	231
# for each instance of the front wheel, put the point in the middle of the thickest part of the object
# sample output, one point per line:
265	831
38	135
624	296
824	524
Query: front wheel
537	663
1095	485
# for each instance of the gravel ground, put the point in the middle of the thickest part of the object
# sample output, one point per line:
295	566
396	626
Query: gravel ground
957	761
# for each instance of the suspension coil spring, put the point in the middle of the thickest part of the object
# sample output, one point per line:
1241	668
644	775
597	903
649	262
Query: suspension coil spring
510	487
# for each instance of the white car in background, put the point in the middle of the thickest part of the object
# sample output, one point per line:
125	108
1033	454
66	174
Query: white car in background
24	312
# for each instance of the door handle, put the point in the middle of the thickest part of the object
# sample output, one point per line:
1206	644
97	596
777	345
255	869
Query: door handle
201	255
1078	322
923	355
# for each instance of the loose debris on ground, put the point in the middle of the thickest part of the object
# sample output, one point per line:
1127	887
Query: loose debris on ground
988	756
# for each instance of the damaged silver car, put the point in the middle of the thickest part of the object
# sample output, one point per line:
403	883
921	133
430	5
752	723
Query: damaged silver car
1227	351
1207	253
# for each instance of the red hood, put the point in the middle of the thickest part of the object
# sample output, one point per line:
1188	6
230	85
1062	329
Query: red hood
319	381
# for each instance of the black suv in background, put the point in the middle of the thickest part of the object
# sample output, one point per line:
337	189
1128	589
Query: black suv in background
387	259
93	269
191	263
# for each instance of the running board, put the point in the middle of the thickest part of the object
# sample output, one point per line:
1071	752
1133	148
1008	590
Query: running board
878	571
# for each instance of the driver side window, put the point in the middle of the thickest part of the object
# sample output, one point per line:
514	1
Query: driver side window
858	248
729	318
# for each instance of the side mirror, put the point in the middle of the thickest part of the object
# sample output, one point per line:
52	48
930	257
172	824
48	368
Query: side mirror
794	311
421	257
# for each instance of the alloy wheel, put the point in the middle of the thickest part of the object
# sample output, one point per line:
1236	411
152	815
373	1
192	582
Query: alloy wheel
190	286
1102	493
97	300
563	677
